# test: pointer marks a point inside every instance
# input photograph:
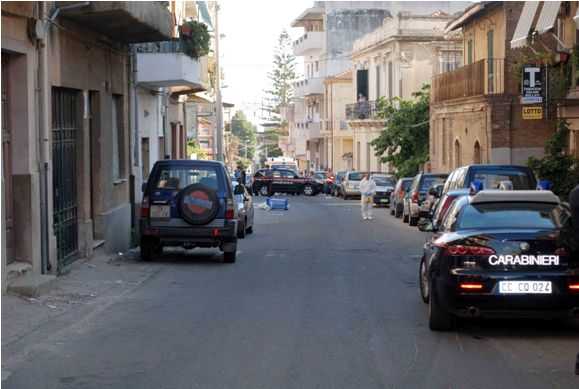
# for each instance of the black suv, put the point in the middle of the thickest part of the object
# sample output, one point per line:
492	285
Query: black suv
190	204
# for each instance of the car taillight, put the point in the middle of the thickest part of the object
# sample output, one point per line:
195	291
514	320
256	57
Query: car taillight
415	197
401	194
145	207
469	250
445	206
230	210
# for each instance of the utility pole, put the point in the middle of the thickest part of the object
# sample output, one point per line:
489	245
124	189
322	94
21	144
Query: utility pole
219	108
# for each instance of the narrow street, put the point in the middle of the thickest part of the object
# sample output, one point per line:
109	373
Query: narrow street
317	299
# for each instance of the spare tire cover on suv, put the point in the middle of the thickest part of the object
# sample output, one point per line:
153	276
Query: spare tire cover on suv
198	204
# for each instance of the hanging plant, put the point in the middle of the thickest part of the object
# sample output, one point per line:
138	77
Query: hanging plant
194	38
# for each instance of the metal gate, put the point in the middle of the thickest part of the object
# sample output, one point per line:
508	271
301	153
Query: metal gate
65	129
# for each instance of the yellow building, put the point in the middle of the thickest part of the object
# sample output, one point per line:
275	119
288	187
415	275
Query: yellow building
338	137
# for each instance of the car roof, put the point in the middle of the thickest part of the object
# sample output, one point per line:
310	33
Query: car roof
189	162
497	166
516	196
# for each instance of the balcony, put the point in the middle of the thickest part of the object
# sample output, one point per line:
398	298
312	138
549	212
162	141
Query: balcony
313	129
163	64
482	78
312	86
309	43
364	110
122	21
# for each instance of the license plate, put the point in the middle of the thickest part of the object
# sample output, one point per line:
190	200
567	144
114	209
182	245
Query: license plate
160	211
525	287
383	200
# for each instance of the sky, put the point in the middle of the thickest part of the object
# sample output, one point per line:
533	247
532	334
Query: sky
251	29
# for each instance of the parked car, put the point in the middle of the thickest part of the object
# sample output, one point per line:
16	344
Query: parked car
351	183
413	200
267	182
491	176
325	179
444	204
501	254
337	184
384	186
397	196
433	195
189	203
245	211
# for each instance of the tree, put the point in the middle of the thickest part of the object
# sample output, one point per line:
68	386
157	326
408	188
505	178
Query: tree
194	148
281	76
245	131
558	167
404	140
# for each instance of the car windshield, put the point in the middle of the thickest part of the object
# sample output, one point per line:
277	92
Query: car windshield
492	179
428	181
406	184
178	177
383	181
511	215
357	176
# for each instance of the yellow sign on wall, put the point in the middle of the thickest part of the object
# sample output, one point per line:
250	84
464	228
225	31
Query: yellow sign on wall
533	113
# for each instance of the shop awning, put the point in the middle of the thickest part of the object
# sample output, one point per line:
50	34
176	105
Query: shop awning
524	24
548	16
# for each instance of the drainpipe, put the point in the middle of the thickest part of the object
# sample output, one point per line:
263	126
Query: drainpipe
43	140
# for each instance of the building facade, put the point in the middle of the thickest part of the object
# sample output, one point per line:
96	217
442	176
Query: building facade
477	115
81	111
395	61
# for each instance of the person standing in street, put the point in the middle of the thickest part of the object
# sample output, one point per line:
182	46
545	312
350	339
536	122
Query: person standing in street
367	191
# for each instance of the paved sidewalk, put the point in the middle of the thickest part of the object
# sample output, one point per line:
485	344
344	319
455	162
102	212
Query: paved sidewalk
90	285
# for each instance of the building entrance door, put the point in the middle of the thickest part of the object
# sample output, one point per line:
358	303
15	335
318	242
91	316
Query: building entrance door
66	126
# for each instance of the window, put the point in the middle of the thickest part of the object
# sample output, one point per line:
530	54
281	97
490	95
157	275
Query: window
204	144
368	154
457	158
476	153
390	80
492	179
179	177
117	138
377	82
491	62
469	52
511	215
444	151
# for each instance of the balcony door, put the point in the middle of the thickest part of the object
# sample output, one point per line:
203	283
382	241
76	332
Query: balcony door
490	56
362	84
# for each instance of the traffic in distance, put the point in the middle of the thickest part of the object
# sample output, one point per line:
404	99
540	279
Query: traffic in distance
499	243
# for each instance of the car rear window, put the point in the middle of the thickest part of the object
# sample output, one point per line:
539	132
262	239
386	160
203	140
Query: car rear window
511	215
492	179
383	181
428	181
357	176
179	177
406	185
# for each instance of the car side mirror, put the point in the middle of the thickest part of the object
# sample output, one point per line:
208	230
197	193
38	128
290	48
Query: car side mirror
426	225
238	190
144	187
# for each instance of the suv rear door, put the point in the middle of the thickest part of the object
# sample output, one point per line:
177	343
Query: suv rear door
167	182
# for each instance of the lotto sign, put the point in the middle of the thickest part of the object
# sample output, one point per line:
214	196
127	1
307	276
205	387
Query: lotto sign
532	92
533	113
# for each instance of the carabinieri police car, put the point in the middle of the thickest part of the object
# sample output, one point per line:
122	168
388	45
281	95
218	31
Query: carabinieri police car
500	253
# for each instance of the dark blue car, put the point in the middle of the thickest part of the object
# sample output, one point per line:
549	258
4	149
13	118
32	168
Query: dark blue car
189	203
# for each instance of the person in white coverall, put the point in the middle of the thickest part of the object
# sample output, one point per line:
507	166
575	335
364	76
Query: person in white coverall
367	190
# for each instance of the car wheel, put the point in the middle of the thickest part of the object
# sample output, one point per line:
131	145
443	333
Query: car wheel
438	318
241	230
147	250
404	217
392	210
264	191
308	190
249	229
413	221
423	279
230	256
398	212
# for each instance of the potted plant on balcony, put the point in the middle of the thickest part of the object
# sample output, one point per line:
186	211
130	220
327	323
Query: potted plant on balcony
194	38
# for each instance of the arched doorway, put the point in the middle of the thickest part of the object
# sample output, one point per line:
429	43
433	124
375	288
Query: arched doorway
476	155
457	157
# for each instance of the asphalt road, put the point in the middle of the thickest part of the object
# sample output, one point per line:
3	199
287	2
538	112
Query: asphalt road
318	299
